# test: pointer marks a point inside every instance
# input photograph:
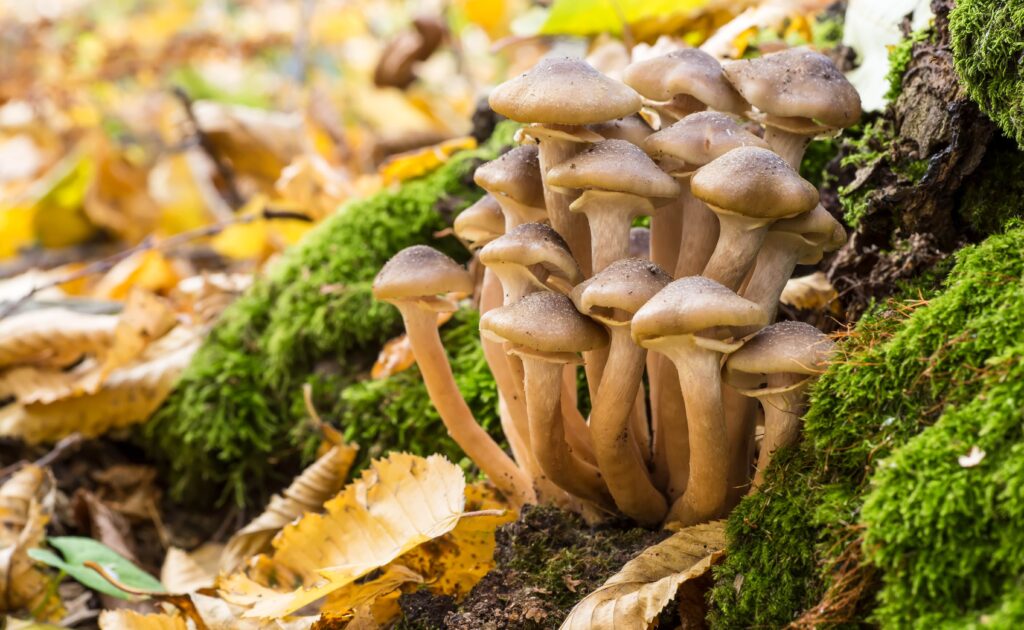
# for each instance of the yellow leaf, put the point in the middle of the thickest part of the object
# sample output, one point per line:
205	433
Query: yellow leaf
398	504
810	293
29	384
490	15
396	355
344	601
590	17
58	216
148	269
185	572
312	185
173	186
633	597
421	161
23	518
53	337
130	620
258	238
118	199
17	227
307	493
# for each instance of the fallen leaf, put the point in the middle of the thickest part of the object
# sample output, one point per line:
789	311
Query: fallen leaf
810	293
633	597
53	337
590	17
186	572
405	166
131	620
77	551
322	480
371	595
396	355
148	269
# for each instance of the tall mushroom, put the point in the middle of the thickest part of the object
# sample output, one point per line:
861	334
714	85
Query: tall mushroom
547	332
799	94
776	366
557	97
612	297
687	322
417	280
748	188
514	180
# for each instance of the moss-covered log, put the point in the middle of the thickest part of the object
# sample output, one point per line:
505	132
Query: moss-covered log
235	425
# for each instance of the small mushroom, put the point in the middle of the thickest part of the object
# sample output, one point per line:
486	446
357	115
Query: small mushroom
547	332
480	223
558	97
612	297
688	322
776	366
395	68
417	280
531	257
799	94
618	182
749	188
514	180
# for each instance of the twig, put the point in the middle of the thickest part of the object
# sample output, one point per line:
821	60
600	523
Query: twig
230	193
60	450
106	264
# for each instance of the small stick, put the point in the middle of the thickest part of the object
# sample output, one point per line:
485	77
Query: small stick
230	194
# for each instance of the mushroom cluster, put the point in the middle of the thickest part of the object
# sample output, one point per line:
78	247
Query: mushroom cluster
672	326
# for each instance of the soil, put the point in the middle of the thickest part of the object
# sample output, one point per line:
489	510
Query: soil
546	561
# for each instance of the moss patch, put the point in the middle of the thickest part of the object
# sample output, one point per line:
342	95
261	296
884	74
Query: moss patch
235	425
866	519
993	196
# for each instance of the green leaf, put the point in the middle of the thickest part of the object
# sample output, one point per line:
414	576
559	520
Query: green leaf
591	17
78	550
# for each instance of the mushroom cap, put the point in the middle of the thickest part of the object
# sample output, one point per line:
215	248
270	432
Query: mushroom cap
817	226
699	138
689	71
615	166
691	305
631	129
563	91
797	83
420	272
640	242
754	182
532	244
617	292
544	322
782	348
480	223
515	174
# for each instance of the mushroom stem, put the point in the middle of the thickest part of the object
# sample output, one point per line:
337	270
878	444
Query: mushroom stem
621	464
698	237
671	436
543	386
739	428
738	243
421	328
666	226
790	146
573	227
774	266
783	402
577	432
609	215
700	380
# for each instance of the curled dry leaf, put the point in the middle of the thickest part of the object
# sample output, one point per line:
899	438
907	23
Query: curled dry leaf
53	337
810	293
633	597
307	493
131	620
186	572
398	504
23	519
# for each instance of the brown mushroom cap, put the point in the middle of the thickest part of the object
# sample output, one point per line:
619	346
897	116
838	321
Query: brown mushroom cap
563	91
699	138
515	174
691	305
797	83
616	293
544	323
817	227
783	348
420	272
480	223
533	244
689	71
754	182
631	129
615	166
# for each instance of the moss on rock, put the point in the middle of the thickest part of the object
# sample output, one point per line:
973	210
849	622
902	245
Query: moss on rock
987	48
234	426
872	517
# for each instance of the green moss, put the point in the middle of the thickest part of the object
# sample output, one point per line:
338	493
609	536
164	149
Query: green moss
918	383
992	195
987	48
899	60
816	158
234	427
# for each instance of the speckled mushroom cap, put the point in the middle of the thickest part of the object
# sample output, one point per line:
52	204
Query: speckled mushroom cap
515	174
783	348
640	243
691	305
699	138
631	129
754	182
563	91
480	223
420	272
532	244
797	83
616	166
689	71
544	323
617	292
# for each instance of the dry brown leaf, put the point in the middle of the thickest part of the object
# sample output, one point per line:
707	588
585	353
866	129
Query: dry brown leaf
23	520
396	355
53	337
323	479
421	161
810	293
28	384
131	620
379	596
148	269
221	615
398	504
129	395
633	597
186	572
145	318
